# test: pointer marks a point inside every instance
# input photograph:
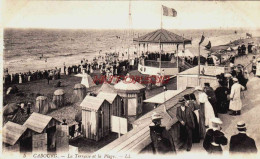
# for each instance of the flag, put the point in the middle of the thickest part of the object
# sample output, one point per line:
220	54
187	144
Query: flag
169	12
249	35
202	39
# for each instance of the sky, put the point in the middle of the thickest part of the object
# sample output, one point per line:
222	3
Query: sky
114	14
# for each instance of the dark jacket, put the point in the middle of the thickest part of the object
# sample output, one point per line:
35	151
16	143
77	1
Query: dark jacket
211	94
162	141
188	118
214	136
241	143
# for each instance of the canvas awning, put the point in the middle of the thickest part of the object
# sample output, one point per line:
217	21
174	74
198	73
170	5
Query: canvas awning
204	70
162	97
162	36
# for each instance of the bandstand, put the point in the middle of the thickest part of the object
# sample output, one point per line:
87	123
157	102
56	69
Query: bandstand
170	65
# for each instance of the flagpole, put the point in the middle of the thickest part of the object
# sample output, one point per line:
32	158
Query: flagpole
161	17
160	63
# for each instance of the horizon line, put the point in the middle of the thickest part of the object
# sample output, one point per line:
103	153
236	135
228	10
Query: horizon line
214	28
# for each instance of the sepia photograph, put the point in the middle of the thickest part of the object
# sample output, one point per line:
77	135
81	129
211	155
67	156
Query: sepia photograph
130	79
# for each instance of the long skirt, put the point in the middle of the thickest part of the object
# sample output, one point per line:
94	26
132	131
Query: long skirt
209	113
202	129
195	131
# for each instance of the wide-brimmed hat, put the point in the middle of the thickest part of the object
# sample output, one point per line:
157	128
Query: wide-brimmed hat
216	121
155	116
241	125
198	88
227	75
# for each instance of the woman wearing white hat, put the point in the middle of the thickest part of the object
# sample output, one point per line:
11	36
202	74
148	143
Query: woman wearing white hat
162	141
214	138
208	109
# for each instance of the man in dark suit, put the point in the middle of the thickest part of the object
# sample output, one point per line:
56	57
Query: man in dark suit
162	141
185	117
241	143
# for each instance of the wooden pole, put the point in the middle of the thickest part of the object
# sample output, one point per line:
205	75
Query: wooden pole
119	132
199	67
177	58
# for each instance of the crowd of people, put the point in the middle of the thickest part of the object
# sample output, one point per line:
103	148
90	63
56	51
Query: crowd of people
18	78
197	114
198	120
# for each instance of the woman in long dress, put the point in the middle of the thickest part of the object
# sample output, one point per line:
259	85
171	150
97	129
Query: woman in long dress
203	99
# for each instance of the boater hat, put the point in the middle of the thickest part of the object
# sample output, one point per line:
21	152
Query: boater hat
241	125
216	121
228	75
156	116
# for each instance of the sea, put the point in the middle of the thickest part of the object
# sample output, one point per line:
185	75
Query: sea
40	49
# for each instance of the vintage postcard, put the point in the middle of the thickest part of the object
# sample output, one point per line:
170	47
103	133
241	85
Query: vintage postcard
130	79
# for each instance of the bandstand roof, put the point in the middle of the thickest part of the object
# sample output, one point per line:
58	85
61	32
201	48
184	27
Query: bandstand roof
163	36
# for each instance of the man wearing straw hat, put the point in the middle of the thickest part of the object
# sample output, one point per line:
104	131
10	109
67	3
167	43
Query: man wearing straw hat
235	104
241	143
185	117
214	138
162	141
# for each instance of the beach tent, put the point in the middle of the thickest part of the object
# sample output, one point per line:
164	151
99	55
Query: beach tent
86	80
42	105
185	53
79	93
59	98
